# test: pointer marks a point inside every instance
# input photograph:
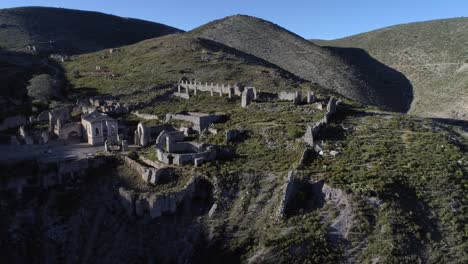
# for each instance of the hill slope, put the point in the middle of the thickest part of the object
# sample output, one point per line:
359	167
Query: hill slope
433	55
68	31
165	60
374	84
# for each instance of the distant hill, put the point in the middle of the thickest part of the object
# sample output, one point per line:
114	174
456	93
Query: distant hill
360	77
57	30
433	55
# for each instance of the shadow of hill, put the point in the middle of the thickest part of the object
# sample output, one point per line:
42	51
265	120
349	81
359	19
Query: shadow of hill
391	89
67	31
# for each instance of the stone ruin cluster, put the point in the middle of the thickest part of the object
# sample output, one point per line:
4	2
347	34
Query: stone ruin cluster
173	150
290	186
103	104
56	127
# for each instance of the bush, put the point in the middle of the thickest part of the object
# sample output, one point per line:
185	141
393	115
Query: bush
44	88
295	132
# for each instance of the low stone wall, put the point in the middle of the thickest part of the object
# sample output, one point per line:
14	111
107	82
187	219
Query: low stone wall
148	174
185	158
145	116
200	121
182	95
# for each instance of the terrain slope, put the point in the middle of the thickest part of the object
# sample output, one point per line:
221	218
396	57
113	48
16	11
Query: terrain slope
360	77
433	55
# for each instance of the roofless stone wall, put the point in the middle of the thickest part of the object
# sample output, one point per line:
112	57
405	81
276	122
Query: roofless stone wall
214	89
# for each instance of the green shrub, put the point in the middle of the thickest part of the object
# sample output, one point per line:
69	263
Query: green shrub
295	132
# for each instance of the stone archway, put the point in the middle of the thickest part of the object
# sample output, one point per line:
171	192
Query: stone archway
70	131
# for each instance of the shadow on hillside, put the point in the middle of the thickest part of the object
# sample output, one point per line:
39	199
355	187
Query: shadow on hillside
16	71
453	122
392	90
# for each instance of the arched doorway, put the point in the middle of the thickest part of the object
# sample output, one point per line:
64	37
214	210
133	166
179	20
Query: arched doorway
74	136
170	159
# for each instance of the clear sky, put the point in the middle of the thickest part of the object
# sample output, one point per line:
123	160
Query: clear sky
323	19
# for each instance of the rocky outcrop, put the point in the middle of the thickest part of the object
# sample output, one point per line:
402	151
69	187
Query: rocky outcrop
325	194
288	191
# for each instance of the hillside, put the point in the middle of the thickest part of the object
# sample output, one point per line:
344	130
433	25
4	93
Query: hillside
151	63
373	84
433	55
57	30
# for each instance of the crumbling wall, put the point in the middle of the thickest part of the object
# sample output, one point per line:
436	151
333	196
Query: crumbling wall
65	130
200	121
62	114
156	205
147	174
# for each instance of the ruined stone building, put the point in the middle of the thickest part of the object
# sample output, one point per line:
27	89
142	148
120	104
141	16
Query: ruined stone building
98	128
173	150
200	121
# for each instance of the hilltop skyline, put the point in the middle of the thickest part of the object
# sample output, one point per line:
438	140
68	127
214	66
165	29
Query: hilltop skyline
311	20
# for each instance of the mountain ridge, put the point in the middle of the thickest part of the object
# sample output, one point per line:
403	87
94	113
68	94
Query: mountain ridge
326	67
68	31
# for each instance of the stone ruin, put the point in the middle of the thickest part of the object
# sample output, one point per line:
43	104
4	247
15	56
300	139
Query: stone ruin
58	116
313	131
149	174
200	121
145	135
156	205
248	95
195	86
173	150
104	104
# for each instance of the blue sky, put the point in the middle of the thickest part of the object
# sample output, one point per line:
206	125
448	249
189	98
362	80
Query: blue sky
324	19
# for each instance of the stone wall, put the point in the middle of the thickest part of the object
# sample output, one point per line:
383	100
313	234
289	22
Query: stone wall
184	87
248	95
148	174
156	205
145	116
64	131
145	135
62	114
200	121
312	131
